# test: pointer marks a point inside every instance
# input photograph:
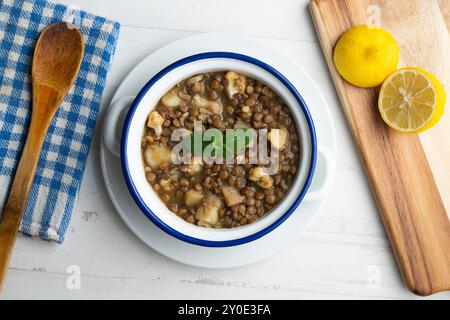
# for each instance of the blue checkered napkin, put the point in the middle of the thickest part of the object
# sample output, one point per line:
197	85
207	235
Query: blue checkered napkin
65	150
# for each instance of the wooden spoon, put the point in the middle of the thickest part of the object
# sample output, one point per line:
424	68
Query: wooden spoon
56	61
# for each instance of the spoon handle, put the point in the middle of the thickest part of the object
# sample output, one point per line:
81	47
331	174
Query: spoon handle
44	108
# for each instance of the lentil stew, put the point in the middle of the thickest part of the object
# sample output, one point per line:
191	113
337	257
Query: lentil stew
220	195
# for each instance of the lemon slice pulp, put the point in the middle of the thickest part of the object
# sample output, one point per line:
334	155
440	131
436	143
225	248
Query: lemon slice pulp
409	100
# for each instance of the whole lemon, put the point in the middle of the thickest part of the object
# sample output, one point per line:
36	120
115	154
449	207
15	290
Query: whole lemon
366	55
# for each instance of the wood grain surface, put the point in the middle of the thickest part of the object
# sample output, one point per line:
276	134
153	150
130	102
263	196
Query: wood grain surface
409	174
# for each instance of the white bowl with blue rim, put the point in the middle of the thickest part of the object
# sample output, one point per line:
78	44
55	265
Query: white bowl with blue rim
129	147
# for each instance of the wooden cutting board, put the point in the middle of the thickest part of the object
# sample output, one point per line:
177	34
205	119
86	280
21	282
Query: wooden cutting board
409	174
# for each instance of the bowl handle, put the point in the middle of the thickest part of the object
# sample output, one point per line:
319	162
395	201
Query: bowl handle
111	125
322	175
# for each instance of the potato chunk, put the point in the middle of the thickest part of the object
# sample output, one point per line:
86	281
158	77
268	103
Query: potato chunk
195	166
205	105
260	175
209	211
156	154
196	84
236	83
232	196
171	99
266	182
166	184
278	138
193	197
194	79
241	124
155	121
256	173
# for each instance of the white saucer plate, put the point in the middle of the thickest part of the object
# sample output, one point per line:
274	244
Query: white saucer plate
269	244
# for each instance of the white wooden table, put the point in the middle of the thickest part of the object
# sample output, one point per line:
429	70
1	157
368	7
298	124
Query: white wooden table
344	254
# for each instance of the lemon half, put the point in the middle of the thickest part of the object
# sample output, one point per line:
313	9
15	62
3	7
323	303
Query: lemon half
411	100
366	55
